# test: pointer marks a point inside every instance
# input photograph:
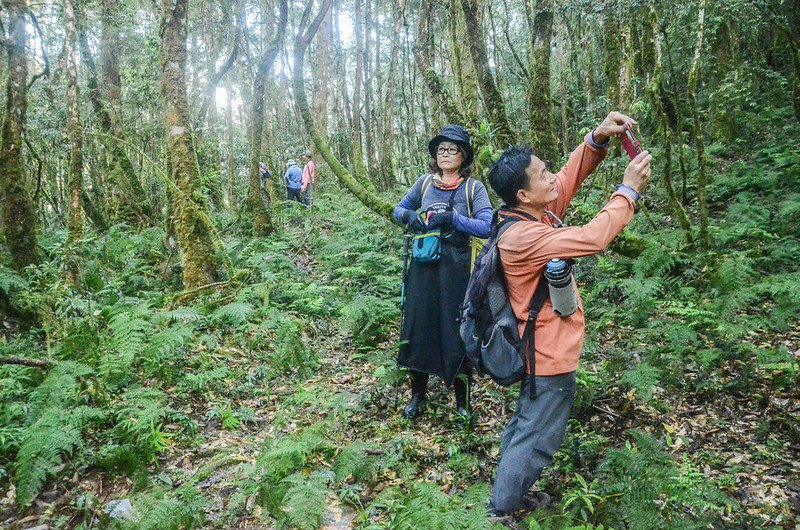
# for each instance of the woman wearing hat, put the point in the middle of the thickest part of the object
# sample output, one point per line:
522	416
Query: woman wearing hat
447	199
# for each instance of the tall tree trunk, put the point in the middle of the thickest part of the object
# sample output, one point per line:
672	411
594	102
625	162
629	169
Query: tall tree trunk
262	220
423	44
463	68
655	91
562	89
19	222
210	162
191	221
492	99
303	39
230	164
75	134
131	201
322	58
387	167
358	156
369	110
702	179
540	107
612	56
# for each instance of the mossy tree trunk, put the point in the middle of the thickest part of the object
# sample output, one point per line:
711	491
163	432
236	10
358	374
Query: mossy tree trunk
540	107
96	208
359	168
75	134
230	168
702	178
463	68
492	99
302	41
369	107
322	74
194	238
655	91
19	221
262	220
129	201
423	45
387	149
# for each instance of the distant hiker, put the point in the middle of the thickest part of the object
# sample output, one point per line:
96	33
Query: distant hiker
293	179
309	177
264	173
456	207
536	198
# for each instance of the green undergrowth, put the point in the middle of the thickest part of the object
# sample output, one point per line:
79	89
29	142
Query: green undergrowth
293	365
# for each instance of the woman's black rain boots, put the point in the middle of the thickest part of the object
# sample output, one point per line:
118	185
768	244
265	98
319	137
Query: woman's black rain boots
419	385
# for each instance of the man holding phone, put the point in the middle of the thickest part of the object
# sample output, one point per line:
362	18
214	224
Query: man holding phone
537	198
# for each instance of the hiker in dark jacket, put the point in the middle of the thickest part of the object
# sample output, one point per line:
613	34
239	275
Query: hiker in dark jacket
459	206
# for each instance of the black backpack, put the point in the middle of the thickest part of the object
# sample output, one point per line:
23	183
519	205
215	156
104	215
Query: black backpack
488	325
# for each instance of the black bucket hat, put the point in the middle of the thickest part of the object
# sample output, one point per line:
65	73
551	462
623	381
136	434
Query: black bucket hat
459	136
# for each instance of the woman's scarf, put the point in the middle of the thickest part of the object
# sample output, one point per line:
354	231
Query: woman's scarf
447	186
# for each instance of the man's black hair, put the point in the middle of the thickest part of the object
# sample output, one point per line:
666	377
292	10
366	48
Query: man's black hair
507	175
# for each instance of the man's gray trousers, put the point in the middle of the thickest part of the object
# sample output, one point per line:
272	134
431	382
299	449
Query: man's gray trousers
534	435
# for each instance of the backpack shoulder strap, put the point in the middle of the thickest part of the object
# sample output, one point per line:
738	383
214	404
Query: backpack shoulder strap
425	186
471	183
528	341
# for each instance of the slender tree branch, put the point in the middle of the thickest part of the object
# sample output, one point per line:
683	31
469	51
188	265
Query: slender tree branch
212	85
508	39
35	363
46	71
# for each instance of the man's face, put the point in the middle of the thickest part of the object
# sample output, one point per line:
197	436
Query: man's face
541	188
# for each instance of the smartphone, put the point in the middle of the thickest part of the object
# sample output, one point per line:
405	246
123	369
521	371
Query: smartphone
630	143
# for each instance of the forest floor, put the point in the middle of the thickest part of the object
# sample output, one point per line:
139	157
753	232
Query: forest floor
346	458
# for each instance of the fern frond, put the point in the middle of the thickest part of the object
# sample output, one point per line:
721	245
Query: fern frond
235	313
11	281
181	314
304	502
427	507
59	388
140	408
280	457
44	444
643	377
127	337
161	510
166	341
354	461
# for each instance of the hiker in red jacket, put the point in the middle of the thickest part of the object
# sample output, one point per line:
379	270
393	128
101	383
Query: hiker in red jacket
538	198
309	177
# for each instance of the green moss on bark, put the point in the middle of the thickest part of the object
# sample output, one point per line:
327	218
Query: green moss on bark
17	210
194	237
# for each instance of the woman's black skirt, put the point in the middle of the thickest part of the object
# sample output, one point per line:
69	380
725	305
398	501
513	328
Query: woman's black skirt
434	293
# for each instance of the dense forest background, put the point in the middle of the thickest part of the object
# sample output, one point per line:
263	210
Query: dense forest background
181	348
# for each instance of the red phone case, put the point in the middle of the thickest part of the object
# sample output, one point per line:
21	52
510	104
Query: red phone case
630	143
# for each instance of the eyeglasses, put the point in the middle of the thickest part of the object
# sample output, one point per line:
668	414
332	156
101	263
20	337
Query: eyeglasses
449	150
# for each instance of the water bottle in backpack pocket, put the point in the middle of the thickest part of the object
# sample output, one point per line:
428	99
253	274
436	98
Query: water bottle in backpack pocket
563	295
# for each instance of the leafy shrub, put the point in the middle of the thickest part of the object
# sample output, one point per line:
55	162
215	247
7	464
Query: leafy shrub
426	506
369	319
644	488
